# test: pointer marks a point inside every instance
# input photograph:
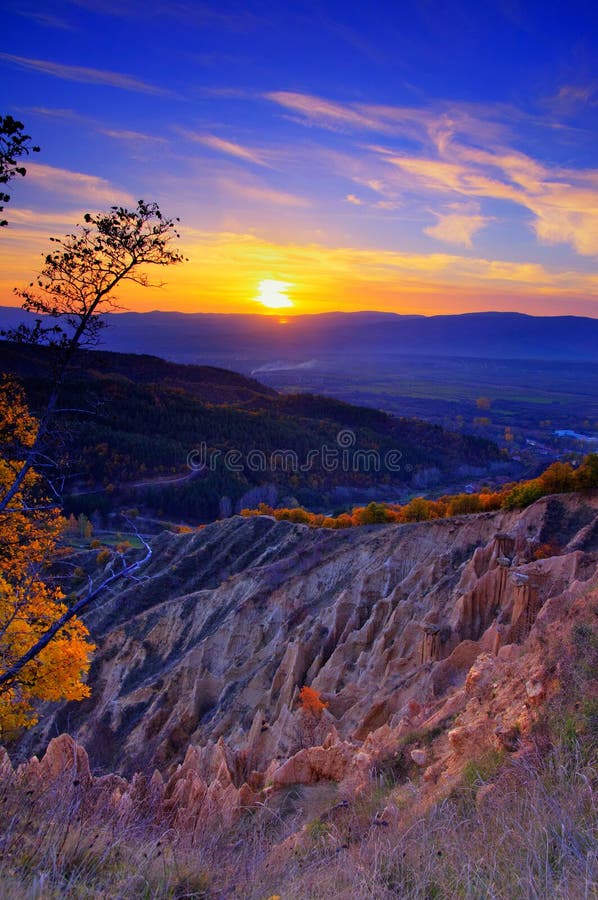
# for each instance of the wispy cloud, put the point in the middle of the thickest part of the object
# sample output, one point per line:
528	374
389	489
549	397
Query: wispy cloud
563	202
192	13
261	193
34	218
91	189
134	137
571	98
423	124
46	19
328	114
457	227
222	93
118	134
448	163
58	112
229	148
85	75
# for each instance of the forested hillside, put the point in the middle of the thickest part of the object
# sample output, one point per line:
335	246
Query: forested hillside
130	423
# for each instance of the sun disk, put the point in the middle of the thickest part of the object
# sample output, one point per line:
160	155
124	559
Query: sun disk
273	294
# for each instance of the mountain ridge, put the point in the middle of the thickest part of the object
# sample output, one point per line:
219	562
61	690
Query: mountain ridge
197	336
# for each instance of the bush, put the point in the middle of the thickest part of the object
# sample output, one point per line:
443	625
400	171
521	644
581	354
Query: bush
417	510
523	495
464	504
103	557
586	476
557	479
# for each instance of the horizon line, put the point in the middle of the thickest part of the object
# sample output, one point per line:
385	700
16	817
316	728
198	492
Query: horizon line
338	312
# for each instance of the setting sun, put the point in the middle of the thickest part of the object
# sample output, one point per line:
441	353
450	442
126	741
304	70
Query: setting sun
273	294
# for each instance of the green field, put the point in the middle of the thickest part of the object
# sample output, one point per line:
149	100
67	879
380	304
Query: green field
532	398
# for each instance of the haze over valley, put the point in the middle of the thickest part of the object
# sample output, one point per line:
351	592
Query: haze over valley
479	374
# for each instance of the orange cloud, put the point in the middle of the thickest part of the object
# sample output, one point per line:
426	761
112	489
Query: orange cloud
89	188
33	218
457	228
224	269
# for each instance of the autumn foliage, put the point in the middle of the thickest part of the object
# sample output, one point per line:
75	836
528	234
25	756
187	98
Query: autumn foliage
558	478
29	604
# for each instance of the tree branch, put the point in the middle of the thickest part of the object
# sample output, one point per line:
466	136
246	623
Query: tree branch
8	677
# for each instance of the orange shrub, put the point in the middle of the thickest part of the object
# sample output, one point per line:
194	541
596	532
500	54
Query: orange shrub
545	551
558	478
311	702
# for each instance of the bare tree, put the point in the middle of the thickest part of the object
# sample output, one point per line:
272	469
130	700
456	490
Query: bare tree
76	286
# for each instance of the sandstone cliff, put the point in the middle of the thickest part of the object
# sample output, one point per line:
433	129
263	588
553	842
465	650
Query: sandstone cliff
456	756
200	661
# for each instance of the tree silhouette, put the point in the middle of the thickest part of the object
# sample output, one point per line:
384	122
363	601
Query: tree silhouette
75	287
14	144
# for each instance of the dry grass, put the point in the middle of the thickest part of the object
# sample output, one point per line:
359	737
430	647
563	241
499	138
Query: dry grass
533	835
512	829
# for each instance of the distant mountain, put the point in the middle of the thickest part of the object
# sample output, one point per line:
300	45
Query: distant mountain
248	341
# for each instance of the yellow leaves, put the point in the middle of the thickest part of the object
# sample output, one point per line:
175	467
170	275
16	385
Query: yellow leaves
26	612
29	605
17	425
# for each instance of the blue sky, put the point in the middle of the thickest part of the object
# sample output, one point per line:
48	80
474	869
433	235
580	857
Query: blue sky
418	156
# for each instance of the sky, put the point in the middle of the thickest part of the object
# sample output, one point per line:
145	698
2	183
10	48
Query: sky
416	156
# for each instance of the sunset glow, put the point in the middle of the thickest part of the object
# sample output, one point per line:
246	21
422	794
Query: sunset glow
426	187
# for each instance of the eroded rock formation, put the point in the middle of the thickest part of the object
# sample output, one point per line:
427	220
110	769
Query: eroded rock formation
399	627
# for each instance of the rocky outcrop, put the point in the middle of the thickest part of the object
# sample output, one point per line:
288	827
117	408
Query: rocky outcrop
494	708
200	791
199	663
